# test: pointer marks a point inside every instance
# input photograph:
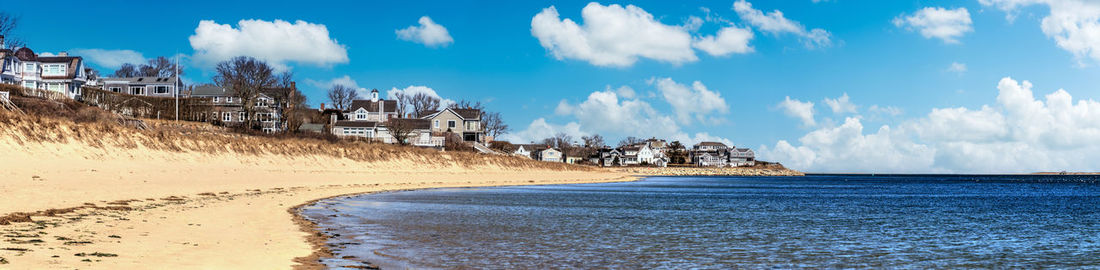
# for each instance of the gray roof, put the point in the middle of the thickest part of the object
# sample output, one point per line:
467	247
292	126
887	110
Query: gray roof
349	123
210	91
143	80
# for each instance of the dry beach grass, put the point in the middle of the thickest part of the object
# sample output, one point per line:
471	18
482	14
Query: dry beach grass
91	193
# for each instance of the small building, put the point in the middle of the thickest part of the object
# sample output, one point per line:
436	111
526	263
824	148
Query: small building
464	122
549	155
742	157
227	108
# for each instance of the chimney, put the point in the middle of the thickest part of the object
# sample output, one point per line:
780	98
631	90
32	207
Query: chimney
292	85
63	54
2	42
322	106
332	118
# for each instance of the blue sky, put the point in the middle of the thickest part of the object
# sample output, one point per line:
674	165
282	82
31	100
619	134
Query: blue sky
905	65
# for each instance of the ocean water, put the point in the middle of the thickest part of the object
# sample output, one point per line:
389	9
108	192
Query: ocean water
727	222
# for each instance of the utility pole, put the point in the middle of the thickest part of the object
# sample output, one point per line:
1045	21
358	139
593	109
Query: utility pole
177	86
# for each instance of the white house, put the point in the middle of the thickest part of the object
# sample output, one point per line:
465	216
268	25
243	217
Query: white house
742	157
61	73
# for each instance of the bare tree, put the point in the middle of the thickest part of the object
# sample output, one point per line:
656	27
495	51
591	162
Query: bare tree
8	23
466	104
127	70
341	96
401	129
422	104
493	124
160	67
247	77
630	141
402	103
594	141
288	99
560	140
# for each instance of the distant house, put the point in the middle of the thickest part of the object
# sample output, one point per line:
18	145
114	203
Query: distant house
61	73
373	109
523	151
226	107
710	154
607	157
742	157
549	155
464	122
142	86
376	119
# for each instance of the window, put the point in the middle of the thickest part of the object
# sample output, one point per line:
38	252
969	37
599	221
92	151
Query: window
55	87
137	90
53	69
241	116
28	84
28	67
227	117
217	99
360	116
229	99
160	89
451	124
435	124
116	89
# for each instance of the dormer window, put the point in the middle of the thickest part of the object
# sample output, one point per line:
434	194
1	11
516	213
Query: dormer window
360	116
217	99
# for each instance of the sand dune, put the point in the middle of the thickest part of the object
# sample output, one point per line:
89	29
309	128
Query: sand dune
169	198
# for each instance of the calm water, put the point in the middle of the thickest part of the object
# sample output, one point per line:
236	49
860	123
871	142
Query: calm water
727	222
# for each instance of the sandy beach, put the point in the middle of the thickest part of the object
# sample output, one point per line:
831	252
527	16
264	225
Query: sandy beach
80	200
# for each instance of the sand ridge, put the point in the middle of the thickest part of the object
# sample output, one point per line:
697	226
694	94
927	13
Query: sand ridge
126	203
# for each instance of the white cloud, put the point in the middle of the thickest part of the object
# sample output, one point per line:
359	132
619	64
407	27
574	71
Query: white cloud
696	102
774	22
1073	24
624	91
957	67
612	35
110	58
729	40
1019	133
937	22
416	89
884	110
539	129
277	42
345	81
841	104
802	110
428	33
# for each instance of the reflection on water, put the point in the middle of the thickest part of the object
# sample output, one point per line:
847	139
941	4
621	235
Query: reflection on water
723	222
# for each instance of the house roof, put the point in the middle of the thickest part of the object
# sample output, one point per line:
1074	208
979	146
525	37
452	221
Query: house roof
26	54
142	80
348	123
468	113
711	144
372	106
416	123
741	150
465	114
532	147
209	90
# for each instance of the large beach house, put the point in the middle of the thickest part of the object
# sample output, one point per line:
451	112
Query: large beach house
59	73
